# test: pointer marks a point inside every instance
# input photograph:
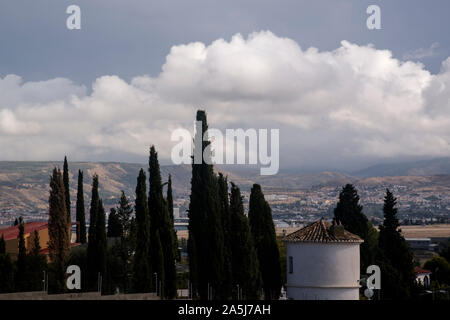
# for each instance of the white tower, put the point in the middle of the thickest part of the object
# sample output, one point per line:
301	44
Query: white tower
322	263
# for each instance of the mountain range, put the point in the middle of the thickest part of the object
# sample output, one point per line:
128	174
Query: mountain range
24	186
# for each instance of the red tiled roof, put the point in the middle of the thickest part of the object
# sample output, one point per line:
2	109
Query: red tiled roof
322	231
13	232
420	270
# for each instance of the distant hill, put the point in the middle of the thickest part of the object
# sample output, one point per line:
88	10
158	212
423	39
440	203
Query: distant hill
414	168
24	186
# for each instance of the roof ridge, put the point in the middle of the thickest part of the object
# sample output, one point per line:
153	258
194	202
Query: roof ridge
320	231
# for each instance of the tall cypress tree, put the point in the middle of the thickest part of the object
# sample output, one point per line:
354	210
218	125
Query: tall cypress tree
161	226
349	212
245	265
206	240
6	267
58	230
81	217
263	231
124	213
36	264
100	234
172	220
142	272
66	185
114	226
21	263
92	236
226	227
395	253
2	245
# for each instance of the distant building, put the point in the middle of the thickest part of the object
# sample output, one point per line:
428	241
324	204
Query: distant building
176	213
422	276
419	243
11	235
323	263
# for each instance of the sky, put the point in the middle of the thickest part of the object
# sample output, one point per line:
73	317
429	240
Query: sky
343	96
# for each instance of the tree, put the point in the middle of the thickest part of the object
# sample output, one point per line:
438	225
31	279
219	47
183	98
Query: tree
142	272
169	200
226	227
102	244
58	231
66	185
444	250
440	269
80	217
349	212
206	242
114	226
36	244
6	267
92	253
162	226
264	237
124	213
394	249
2	245
21	263
36	264
244	258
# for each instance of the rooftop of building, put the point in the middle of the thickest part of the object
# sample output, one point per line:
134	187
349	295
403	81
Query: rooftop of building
12	232
418	270
323	231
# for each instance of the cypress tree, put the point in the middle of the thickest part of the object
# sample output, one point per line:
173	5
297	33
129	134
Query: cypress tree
36	264
66	185
172	220
100	234
36	245
205	243
58	231
124	213
114	226
6	267
162	227
395	252
226	227
264	237
92	236
81	217
142	272
245	265
349	212
2	245
21	263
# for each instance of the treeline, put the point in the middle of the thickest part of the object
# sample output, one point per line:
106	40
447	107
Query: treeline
137	252
386	248
27	272
230	256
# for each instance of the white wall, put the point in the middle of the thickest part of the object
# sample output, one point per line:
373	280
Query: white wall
323	271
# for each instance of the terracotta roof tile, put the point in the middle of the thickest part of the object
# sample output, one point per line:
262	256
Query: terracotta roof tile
322	231
13	232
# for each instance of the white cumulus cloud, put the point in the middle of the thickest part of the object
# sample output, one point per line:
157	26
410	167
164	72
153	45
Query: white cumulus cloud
333	108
